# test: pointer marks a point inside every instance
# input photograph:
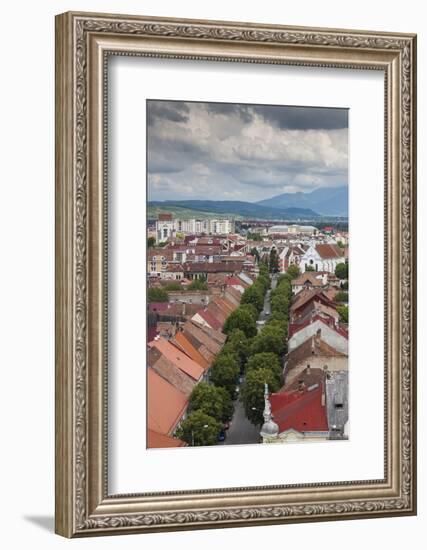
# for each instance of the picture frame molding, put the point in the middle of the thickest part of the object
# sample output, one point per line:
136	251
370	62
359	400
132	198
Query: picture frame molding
83	43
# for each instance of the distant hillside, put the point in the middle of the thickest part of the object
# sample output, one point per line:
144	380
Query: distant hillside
236	209
327	201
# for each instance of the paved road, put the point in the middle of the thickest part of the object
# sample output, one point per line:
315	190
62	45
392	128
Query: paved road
241	431
266	311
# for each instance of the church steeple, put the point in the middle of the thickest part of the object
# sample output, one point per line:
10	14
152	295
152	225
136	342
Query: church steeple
269	430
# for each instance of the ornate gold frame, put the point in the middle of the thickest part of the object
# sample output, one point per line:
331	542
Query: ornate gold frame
83	42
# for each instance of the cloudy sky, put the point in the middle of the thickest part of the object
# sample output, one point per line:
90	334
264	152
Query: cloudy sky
225	151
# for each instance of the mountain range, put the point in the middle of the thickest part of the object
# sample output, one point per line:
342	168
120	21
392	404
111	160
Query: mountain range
326	201
236	208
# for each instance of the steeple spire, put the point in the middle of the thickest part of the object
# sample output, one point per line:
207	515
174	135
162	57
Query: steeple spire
270	429
267	405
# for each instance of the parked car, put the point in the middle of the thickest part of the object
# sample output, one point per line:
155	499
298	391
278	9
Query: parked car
221	436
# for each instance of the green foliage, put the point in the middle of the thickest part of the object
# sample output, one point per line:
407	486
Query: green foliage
253	295
341	270
151	241
263	269
280	324
253	392
273	264
251	309
340	244
278	316
198	284
279	301
309	268
212	400
293	271
199	429
237	343
254	252
343	311
266	360
341	297
270	339
242	318
225	371
157	295
254	236
344	285
172	286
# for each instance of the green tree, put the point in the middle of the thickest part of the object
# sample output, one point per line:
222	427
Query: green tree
254	252
251	309
225	371
281	316
266	360
293	271
270	339
212	400
242	319
255	236
253	392
253	295
263	269
343	311
344	285
151	241
341	270
341	297
173	286
309	268
279	302
273	264
198	284
199	429
157	295
237	343
279	323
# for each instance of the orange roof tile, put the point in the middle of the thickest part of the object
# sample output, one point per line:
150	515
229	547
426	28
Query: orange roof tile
182	342
178	358
156	440
166	405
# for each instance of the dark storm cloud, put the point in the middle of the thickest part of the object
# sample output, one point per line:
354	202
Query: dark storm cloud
175	111
304	118
290	118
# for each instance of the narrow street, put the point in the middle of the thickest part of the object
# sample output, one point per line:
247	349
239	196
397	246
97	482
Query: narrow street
266	311
241	431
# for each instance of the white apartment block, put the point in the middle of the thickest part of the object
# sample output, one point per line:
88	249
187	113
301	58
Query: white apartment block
166	229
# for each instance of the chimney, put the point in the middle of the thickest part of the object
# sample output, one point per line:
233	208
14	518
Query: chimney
301	385
308	370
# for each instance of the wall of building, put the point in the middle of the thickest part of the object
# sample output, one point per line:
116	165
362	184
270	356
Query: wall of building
330	336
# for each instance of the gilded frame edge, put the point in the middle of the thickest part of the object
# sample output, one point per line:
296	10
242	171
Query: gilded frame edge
82	506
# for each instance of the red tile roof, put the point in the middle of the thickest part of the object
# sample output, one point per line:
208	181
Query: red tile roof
156	440
301	411
178	358
327	251
209	319
165	404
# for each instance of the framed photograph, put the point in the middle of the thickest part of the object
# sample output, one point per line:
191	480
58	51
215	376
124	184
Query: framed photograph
235	274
